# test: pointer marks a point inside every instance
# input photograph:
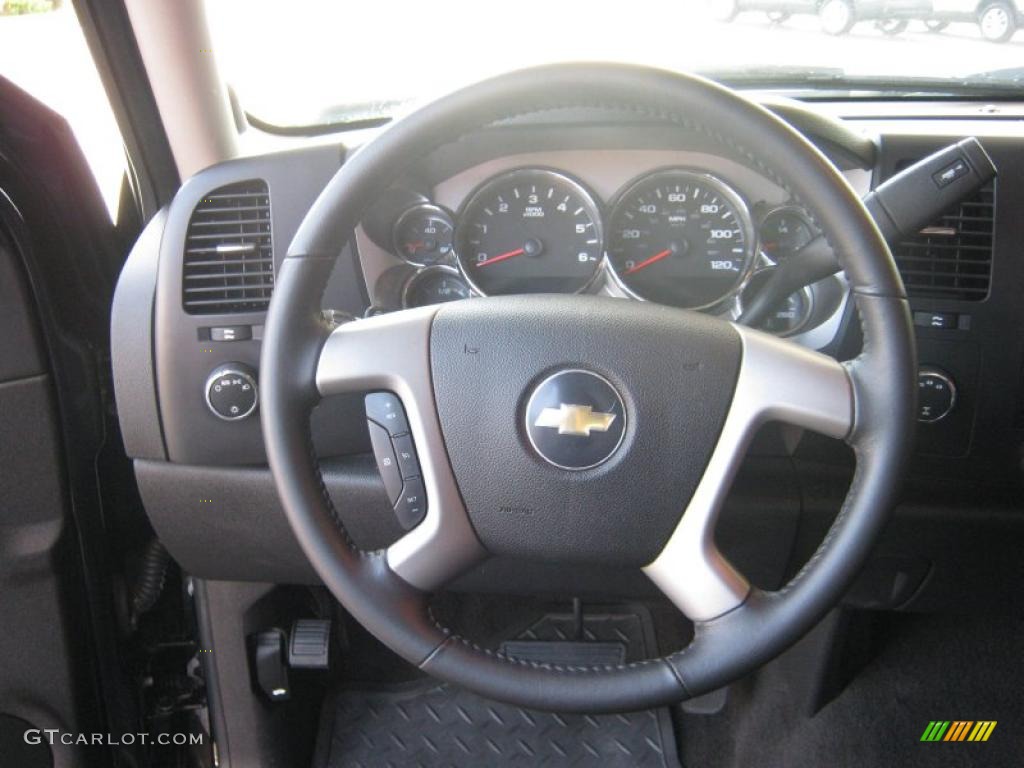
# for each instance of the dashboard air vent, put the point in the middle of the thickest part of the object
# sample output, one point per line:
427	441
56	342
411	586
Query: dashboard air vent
229	256
952	257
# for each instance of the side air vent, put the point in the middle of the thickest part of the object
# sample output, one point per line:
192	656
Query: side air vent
229	255
952	257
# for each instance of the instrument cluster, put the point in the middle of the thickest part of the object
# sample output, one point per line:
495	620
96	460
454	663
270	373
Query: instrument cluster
677	236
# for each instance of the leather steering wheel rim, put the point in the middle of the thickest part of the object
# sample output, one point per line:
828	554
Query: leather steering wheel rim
879	387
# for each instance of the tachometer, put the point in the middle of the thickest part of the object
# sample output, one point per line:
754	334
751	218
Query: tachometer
529	231
681	238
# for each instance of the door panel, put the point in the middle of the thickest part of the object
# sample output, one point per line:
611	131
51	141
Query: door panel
36	677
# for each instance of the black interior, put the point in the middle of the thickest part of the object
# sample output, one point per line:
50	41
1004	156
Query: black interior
88	480
974	449
934	554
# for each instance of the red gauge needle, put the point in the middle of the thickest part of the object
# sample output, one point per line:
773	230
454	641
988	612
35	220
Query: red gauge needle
501	257
647	262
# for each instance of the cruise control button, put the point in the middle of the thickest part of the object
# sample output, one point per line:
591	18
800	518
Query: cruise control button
387	464
406	454
386	409
412	504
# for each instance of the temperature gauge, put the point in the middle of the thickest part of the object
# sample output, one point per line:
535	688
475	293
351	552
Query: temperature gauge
785	231
423	235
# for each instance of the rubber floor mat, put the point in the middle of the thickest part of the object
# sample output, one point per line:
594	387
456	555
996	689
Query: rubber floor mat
429	724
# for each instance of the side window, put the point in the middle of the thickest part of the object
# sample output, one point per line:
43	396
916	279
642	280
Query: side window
43	51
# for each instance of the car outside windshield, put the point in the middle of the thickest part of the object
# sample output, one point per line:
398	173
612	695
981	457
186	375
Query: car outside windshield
316	61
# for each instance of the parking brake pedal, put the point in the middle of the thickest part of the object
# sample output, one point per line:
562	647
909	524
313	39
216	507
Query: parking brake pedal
310	645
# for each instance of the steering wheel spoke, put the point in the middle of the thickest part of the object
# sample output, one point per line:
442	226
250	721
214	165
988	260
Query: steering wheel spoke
778	381
391	352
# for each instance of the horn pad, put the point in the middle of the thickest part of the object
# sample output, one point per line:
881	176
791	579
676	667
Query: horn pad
577	404
579	427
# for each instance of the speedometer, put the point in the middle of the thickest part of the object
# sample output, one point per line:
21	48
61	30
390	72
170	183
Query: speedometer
530	231
681	238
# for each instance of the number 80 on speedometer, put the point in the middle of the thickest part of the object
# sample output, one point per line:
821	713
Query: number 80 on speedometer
682	238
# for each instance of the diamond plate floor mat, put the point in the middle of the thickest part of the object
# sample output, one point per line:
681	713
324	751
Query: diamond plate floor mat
430	724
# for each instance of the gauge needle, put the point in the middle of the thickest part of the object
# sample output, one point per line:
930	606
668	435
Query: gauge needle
501	257
647	262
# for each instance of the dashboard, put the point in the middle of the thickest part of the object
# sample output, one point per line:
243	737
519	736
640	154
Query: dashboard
574	201
680	228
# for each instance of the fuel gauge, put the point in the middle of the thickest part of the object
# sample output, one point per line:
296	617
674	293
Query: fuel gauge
437	285
423	235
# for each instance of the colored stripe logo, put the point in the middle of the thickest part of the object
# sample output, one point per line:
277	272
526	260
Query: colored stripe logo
958	730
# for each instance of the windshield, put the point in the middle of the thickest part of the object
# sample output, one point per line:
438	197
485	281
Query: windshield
319	61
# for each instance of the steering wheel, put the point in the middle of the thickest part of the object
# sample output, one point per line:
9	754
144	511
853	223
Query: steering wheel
688	391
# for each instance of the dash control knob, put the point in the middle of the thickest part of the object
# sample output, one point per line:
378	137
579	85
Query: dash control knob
231	392
936	395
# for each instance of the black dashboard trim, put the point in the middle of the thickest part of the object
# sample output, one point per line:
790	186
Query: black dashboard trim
131	346
986	463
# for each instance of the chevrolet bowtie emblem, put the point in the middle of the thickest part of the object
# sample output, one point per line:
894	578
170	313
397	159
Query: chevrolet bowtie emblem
579	420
